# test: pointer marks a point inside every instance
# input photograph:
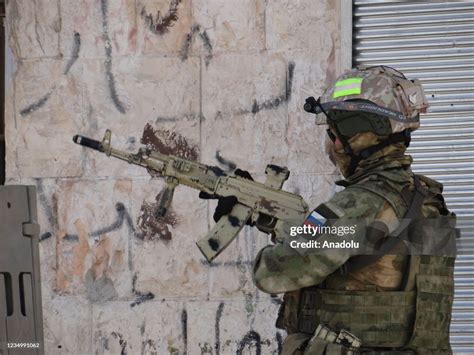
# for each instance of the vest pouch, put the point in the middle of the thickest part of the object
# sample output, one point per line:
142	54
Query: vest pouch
318	346
295	344
331	349
300	344
378	319
288	312
433	314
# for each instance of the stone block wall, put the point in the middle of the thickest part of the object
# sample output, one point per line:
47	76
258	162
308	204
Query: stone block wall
218	81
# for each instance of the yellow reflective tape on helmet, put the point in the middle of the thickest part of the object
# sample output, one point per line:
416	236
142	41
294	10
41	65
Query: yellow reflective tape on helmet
351	86
349	81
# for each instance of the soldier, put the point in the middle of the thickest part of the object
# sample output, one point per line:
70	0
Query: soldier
394	295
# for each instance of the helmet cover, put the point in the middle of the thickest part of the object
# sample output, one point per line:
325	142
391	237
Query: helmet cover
377	91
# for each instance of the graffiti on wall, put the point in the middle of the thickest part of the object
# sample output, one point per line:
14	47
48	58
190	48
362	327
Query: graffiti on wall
146	227
44	99
161	23
250	341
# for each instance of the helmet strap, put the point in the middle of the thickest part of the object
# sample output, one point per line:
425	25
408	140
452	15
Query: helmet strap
403	136
317	103
345	144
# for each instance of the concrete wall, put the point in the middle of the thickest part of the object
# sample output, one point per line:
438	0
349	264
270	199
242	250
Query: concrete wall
220	81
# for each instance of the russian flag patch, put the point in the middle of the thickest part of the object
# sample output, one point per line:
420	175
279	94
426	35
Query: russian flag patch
315	219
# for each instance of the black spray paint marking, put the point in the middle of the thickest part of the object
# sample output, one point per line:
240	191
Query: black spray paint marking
48	209
160	119
206	42
148	347
122	216
159	24
43	100
123	343
108	61
276	300
228	163
217	345
36	105
75	52
289	80
277	101
184	325
227	263
45	236
120	208
44	202
140	297
249	338
206	348
36	27
103	340
187	44
185	117
207	45
279	341
71	237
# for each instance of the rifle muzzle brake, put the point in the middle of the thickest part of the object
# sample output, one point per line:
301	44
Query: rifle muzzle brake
87	142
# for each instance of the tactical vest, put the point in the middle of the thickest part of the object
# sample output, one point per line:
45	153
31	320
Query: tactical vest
417	317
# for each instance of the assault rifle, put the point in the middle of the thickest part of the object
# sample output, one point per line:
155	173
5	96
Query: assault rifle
266	205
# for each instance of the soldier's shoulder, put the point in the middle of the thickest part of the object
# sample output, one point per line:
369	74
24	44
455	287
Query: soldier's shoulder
432	185
353	202
392	186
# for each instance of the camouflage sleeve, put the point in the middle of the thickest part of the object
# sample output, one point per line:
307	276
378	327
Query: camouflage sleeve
281	268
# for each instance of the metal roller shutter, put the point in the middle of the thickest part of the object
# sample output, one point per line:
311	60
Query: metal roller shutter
434	42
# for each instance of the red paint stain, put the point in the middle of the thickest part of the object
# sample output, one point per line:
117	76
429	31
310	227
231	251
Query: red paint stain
170	143
152	227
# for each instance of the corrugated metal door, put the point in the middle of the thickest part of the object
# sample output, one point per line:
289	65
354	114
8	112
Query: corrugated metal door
434	41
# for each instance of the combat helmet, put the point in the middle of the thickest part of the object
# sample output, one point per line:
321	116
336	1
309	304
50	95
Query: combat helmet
378	99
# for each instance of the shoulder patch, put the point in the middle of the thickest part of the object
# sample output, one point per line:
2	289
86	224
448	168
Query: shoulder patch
322	213
315	219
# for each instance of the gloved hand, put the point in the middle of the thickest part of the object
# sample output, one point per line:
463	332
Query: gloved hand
225	204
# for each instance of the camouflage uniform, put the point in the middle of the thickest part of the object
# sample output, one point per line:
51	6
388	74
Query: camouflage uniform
397	302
